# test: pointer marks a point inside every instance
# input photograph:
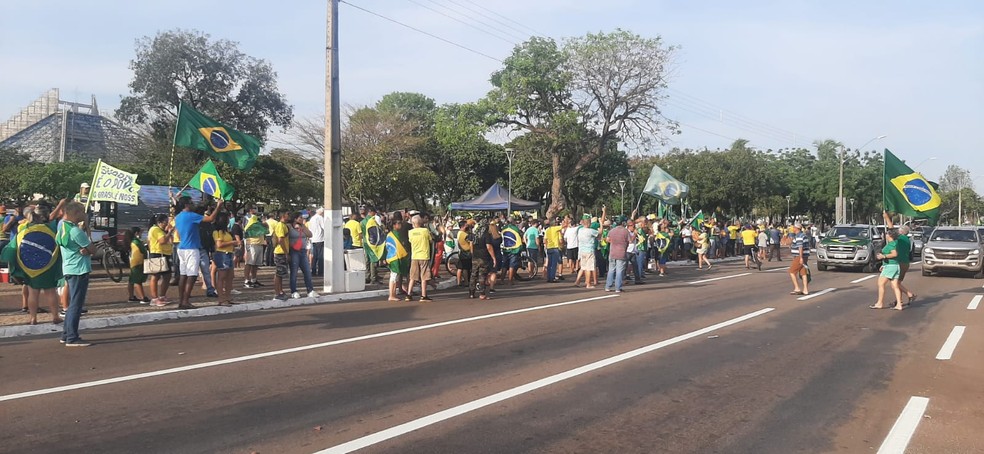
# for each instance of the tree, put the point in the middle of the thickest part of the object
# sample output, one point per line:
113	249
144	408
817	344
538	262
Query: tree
215	77
381	163
955	178
589	93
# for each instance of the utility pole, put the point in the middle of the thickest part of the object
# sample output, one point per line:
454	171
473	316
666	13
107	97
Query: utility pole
335	270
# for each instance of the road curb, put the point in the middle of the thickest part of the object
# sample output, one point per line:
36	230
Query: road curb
208	311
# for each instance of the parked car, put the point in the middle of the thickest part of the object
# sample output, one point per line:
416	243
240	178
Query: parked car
953	249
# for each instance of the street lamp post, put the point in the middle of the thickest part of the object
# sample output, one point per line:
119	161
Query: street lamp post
852	210
510	154
788	199
621	184
839	205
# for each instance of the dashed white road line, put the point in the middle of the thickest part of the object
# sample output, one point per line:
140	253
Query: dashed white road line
222	362
703	281
858	281
901	433
975	302
459	410
915	263
814	295
951	343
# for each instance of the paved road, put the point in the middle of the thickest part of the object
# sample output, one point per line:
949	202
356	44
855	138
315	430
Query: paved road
680	364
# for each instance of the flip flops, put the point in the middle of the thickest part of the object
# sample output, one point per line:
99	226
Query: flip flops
796	293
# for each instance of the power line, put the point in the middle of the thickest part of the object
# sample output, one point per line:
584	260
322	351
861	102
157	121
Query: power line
462	22
507	18
686	102
423	32
522	33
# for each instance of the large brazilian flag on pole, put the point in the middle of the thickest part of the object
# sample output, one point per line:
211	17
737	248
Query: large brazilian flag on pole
199	132
907	192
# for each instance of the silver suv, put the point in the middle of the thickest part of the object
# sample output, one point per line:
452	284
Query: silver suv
953	249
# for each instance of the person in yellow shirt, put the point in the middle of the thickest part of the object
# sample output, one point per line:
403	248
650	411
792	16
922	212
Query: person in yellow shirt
355	229
225	245
465	251
137	277
733	230
421	244
159	239
551	242
279	233
748	237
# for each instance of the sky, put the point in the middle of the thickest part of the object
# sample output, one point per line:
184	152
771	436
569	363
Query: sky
778	73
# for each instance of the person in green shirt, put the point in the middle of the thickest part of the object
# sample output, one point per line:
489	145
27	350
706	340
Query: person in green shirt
890	271
76	249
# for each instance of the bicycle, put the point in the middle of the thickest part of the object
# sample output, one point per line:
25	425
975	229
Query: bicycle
111	259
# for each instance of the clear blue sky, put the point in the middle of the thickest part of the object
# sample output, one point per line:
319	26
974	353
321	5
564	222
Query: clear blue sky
779	73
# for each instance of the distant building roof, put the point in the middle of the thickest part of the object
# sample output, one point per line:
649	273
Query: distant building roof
56	131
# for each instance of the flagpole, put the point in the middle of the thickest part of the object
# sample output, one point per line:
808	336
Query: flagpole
170	173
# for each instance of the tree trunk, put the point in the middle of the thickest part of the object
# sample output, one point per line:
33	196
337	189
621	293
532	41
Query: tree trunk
557	200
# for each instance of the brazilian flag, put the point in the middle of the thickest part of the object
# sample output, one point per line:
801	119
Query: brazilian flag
698	221
374	241
907	192
255	228
209	182
512	239
397	256
199	132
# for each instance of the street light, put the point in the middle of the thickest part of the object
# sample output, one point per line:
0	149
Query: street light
621	184
839	205
852	210
788	198
917	166
510	154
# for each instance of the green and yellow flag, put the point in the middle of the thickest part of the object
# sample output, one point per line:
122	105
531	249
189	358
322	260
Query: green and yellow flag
698	221
374	241
907	192
209	182
199	132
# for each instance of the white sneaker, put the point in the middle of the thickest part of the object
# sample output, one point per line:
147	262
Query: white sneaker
312	294
295	295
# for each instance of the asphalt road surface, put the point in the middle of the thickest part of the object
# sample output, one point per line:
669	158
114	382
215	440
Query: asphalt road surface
723	361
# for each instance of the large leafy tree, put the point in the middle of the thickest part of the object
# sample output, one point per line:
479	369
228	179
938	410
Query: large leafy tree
214	76
583	96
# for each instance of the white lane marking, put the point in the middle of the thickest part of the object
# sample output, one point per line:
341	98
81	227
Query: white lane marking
915	263
858	281
776	269
718	278
459	410
951	343
285	351
814	295
900	435
975	302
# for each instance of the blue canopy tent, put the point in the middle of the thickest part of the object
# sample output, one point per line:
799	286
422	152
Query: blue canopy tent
495	199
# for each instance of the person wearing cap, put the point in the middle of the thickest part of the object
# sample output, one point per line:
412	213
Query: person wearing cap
798	269
586	238
83	194
703	247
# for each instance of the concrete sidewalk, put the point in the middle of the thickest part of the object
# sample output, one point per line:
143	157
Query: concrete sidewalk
90	322
110	315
